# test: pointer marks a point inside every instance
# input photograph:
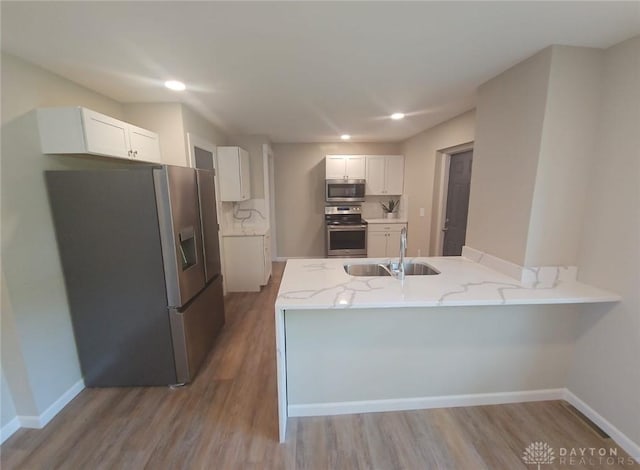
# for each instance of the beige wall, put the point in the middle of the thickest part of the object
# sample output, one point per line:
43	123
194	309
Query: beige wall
33	284
194	123
172	121
566	155
510	115
605	372
421	153
299	192
253	144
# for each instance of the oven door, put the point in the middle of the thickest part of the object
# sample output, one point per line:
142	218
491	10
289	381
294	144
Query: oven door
347	241
344	190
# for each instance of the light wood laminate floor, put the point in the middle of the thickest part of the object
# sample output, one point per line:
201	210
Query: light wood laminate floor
226	419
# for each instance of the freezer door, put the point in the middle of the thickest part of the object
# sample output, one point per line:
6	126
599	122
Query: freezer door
194	329
209	218
180	232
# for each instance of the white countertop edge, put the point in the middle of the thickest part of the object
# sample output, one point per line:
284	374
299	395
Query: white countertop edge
386	221
450	303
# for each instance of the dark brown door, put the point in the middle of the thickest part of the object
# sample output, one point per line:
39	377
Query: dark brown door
455	227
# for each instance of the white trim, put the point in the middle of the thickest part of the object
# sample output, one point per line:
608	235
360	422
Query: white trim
39	422
632	448
9	429
424	403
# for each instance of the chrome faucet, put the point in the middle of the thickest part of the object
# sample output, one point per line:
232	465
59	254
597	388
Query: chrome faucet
398	273
403	252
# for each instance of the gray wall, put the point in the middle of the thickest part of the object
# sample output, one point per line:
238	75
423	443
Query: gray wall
605	371
299	192
46	365
7	408
566	155
421	154
509	116
39	358
534	150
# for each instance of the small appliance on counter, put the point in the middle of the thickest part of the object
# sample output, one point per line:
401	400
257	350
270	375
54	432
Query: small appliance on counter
141	261
346	232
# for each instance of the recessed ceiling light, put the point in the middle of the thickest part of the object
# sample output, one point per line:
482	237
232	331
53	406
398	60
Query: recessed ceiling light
397	116
345	136
174	85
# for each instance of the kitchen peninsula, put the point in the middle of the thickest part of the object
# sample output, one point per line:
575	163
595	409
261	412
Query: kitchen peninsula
471	334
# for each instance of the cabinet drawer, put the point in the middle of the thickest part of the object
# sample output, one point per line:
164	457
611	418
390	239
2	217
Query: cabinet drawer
385	227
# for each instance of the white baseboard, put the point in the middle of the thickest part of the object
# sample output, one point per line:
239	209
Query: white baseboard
424	403
630	447
8	429
39	422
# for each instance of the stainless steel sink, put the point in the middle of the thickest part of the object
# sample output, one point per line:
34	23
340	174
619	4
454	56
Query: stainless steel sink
365	270
410	269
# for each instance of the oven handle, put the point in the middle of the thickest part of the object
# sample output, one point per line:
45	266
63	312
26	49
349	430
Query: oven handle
345	228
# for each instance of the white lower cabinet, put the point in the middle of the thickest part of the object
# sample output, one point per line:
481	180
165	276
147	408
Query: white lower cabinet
247	261
383	240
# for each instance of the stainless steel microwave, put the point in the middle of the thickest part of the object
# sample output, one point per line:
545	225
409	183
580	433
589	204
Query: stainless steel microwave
344	190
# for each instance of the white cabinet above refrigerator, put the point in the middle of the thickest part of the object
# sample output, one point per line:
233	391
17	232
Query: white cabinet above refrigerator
76	130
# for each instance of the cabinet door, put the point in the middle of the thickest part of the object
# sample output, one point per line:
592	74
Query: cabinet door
243	270
335	167
145	145
229	174
355	167
105	135
394	171
245	175
393	244
377	244
375	175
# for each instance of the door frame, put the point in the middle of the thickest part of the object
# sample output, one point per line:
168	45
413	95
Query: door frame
270	195
197	141
443	160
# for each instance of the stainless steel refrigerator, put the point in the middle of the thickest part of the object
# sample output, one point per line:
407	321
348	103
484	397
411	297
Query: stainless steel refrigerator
141	262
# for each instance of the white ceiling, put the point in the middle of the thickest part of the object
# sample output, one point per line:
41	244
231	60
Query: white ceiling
304	72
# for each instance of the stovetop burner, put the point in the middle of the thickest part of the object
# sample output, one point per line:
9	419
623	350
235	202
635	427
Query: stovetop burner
343	215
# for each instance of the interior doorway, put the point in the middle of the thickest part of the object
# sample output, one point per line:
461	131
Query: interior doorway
457	203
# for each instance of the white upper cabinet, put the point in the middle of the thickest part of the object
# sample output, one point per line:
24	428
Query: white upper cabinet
233	174
384	175
349	167
81	130
145	145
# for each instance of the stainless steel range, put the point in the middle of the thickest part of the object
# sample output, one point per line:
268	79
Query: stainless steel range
346	232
